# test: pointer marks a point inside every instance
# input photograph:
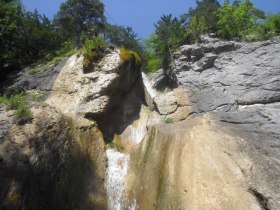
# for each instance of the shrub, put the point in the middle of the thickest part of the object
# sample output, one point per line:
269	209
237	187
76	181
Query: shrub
23	114
93	51
130	56
20	104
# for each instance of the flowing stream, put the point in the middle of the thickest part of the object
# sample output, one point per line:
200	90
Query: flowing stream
118	162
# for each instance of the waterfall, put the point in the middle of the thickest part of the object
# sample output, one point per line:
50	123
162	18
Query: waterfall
116	174
152	92
118	162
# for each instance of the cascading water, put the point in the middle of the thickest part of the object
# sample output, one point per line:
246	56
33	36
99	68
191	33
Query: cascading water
152	92
118	162
116	174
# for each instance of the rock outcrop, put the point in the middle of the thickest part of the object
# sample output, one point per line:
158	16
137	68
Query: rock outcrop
58	160
226	154
213	142
194	164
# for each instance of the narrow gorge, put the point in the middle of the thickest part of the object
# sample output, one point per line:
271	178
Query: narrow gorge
113	138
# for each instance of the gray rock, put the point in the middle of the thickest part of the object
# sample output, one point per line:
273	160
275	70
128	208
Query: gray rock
196	53
209	38
205	63
159	80
220	47
186	50
242	90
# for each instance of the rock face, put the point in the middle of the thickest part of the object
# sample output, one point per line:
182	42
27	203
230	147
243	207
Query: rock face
229	144
48	164
57	161
100	94
194	164
212	143
242	88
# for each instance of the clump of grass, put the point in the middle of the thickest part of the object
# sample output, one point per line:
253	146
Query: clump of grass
36	95
20	104
93	51
130	56
168	120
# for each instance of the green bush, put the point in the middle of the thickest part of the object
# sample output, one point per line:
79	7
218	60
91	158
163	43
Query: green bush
154	64
23	113
93	51
20	104
94	44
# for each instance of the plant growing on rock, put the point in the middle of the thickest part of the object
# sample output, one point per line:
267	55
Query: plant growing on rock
20	104
168	120
130	56
93	51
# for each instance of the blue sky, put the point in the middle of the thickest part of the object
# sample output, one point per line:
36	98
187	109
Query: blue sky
141	14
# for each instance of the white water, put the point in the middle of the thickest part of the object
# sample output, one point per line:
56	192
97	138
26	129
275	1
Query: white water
152	92
118	162
116	178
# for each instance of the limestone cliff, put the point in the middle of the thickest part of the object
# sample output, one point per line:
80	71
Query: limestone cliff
57	161
210	143
225	155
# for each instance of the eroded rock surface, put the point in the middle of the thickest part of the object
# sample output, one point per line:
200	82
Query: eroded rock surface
243	89
48	164
226	154
196	164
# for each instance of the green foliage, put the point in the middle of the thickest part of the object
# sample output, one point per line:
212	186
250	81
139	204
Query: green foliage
153	64
274	23
125	37
35	95
237	20
25	37
121	36
77	17
130	56
94	44
23	113
50	60
205	8
170	34
93	51
20	104
197	27
168	120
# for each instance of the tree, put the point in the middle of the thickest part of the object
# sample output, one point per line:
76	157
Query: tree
206	8
170	34
237	19
197	27
123	37
25	37
11	15
81	16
